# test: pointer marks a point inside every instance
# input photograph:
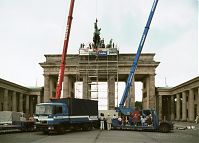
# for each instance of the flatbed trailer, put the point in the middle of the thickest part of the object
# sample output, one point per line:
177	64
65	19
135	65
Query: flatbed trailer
20	126
154	125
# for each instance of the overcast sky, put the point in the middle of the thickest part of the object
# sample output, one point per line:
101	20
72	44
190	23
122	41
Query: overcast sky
31	28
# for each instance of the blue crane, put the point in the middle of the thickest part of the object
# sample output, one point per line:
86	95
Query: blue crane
152	122
135	62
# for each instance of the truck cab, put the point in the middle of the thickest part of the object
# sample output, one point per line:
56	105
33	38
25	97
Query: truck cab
50	116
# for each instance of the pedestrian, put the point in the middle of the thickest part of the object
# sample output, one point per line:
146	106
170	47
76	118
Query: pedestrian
109	122
114	116
102	119
197	118
143	120
120	120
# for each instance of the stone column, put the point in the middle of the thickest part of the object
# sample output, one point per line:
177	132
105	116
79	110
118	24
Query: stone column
46	88
172	108
178	107
27	104
31	104
145	96
191	105
14	101
5	103
1	99
152	92
66	86
160	107
197	102
184	106
89	91
131	98
39	99
149	92
72	85
21	102
111	93
52	90
86	88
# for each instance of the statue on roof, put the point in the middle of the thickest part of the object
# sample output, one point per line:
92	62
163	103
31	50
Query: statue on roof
96	35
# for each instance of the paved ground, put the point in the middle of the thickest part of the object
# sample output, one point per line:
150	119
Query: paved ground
185	124
96	136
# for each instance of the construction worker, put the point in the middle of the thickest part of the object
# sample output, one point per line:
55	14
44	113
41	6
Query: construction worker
102	119
114	116
197	119
109	122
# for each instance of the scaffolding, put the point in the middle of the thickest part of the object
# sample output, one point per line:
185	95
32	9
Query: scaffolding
97	65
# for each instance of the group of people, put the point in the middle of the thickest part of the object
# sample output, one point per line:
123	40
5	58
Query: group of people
135	118
141	119
107	120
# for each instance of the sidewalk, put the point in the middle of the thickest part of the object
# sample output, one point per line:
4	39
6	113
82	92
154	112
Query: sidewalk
185	125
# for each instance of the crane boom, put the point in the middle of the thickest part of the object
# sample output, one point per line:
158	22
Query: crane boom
135	62
64	53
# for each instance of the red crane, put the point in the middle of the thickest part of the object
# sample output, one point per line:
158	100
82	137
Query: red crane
64	53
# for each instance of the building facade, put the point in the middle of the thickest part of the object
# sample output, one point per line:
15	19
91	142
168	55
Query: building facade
179	103
14	97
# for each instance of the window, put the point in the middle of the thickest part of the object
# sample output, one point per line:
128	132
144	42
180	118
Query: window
57	110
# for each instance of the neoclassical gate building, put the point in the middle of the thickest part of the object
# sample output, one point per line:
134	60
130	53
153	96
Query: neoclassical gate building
104	66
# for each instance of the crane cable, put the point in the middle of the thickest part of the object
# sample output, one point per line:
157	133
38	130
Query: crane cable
96	8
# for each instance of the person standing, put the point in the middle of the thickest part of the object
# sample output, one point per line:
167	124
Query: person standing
143	120
102	121
114	116
109	122
197	118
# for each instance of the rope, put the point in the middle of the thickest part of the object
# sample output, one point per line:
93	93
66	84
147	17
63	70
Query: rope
96	8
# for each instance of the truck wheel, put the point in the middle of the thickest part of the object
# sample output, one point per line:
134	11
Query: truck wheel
87	127
164	128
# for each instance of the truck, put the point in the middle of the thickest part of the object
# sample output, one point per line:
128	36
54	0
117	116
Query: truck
63	114
131	117
14	121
